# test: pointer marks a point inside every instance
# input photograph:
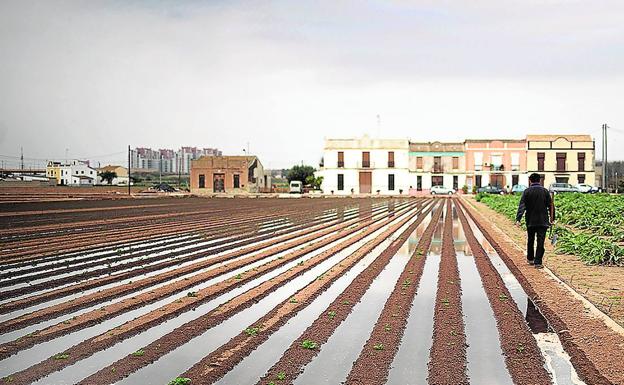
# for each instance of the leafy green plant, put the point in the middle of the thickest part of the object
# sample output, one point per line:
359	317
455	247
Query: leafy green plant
309	344
191	294
253	331
180	381
293	300
139	353
378	346
281	376
61	356
331	314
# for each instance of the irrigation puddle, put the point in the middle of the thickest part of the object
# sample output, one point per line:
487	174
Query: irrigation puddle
180	359
410	363
260	360
106	357
333	363
31	356
557	361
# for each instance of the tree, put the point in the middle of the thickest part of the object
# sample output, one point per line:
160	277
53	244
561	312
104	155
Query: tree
300	173
108	176
315	182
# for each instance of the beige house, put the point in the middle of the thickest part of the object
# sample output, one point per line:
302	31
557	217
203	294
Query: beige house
561	158
120	179
436	164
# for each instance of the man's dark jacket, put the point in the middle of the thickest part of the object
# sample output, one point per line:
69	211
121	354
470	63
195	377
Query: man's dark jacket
536	201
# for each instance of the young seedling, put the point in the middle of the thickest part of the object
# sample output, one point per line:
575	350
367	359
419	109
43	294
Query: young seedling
407	283
238	276
308	344
61	356
387	327
503	297
346	302
139	353
520	348
293	300
331	314
252	331
191	294
445	301
281	376
378	347
453	333
180	381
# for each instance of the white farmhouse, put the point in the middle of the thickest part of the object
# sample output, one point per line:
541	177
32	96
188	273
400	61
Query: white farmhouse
76	173
365	166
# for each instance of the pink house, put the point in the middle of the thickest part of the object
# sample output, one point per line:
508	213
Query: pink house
496	162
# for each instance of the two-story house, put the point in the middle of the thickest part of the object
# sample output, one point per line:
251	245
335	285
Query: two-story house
561	158
436	164
365	166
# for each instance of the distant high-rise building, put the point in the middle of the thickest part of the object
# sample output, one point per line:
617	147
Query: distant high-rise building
168	160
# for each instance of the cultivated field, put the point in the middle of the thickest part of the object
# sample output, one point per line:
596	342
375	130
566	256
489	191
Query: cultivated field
285	291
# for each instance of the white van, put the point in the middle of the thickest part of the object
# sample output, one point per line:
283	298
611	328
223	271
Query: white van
296	187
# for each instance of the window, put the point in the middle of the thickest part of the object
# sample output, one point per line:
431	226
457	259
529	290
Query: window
340	159
391	182
497	162
340	182
561	161
581	178
437	164
455	162
581	162
202	181
515	161
478	161
478	181
455	182
419	183
365	159
419	163
540	161
390	159
236	181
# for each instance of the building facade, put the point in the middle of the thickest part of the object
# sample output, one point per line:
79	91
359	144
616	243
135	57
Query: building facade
168	161
495	162
74	173
436	164
228	174
120	179
365	166
561	158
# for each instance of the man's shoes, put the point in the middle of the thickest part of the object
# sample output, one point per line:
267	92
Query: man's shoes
539	266
531	262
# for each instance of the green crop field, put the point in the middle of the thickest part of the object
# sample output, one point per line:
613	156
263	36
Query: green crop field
589	226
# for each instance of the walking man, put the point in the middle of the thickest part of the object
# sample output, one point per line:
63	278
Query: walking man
540	214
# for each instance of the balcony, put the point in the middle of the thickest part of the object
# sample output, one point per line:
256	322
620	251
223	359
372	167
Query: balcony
340	164
390	164
363	164
437	169
497	167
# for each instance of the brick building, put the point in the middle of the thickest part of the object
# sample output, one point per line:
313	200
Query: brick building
228	174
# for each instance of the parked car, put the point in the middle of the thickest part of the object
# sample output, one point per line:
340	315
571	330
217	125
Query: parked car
490	190
557	188
587	188
296	187
441	190
518	189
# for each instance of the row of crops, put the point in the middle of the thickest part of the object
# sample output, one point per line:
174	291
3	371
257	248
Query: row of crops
589	226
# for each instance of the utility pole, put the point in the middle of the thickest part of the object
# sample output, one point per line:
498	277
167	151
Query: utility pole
22	157
160	170
604	158
180	172
129	179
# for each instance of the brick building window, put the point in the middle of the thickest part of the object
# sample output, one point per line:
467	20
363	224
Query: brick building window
455	182
540	161
340	159
581	178
455	162
391	182
419	183
419	163
202	181
340	182
390	159
236	181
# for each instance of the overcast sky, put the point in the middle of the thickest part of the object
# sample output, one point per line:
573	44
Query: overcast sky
95	76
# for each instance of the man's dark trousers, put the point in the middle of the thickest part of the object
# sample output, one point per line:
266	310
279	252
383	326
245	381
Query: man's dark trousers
536	254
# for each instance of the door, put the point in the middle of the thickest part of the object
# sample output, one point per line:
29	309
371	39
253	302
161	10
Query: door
514	180
366	179
497	180
202	181
218	182
437	180
365	159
